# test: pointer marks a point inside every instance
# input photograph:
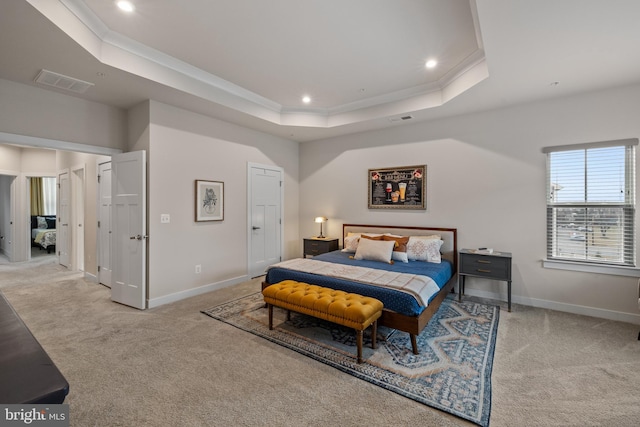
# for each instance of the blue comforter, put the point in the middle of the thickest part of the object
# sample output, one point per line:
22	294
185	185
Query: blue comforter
394	300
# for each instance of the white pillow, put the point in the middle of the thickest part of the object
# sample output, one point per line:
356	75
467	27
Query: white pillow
399	256
351	243
42	222
424	248
375	250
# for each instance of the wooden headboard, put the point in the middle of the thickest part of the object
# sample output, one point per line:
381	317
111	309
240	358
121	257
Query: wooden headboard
449	236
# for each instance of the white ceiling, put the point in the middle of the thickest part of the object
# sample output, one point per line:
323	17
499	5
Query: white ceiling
362	61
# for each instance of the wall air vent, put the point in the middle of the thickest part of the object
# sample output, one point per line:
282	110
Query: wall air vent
60	81
401	118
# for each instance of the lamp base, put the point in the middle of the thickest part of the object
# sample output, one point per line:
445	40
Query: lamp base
320	237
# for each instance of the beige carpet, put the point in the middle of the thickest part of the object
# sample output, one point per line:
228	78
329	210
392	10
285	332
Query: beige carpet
174	366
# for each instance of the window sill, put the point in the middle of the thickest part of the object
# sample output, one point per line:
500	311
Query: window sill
591	268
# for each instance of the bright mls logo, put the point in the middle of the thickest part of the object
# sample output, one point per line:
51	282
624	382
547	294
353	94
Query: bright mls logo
34	415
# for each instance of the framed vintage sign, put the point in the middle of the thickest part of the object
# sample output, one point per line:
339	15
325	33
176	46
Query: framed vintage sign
398	188
209	200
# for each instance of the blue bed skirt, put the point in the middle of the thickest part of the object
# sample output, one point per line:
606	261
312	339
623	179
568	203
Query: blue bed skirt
394	300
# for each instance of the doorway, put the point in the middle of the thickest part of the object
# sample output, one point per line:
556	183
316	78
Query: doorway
40	216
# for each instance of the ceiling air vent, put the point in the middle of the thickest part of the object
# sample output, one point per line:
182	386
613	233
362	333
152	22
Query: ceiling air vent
60	81
401	118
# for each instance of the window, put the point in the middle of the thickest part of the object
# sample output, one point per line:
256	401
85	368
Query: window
43	196
49	195
591	203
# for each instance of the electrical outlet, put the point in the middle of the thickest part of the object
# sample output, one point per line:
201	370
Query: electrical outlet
198	269
165	218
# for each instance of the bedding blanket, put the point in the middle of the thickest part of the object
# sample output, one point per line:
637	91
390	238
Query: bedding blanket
46	238
420	287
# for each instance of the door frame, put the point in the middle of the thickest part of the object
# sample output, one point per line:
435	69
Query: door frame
77	177
59	221
101	244
250	166
26	182
10	234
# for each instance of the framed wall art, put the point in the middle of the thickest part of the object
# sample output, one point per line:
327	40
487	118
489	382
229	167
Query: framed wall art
209	200
398	188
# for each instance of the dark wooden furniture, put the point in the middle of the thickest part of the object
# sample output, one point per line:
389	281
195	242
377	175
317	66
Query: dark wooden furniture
413	325
27	373
495	266
316	246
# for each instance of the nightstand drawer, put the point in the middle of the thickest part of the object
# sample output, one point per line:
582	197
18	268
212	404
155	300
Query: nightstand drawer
486	266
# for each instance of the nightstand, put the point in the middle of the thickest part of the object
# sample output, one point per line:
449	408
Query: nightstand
496	266
317	246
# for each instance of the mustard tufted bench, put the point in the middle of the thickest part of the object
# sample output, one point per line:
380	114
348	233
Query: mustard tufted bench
351	310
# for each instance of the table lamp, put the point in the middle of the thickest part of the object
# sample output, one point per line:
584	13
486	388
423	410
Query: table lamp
321	219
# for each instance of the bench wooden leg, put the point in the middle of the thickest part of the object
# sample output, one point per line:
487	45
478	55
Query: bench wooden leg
270	307
414	344
374	334
359	344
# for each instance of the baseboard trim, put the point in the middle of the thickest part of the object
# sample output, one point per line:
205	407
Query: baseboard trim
177	296
559	306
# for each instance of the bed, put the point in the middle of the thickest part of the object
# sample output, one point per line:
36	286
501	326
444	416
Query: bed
43	232
405	309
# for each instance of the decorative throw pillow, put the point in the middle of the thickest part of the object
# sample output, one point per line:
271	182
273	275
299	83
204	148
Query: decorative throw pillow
352	239
42	222
424	248
374	250
351	243
399	248
372	236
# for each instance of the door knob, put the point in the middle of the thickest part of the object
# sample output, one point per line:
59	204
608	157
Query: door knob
255	228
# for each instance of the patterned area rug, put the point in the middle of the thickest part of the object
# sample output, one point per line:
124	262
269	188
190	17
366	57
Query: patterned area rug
452	373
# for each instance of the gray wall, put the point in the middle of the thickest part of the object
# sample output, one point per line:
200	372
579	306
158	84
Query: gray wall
486	176
185	147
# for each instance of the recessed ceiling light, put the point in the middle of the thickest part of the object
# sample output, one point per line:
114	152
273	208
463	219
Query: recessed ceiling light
431	63
127	6
306	99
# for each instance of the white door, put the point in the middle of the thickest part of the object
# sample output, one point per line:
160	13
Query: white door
63	235
128	225
77	200
265	220
104	223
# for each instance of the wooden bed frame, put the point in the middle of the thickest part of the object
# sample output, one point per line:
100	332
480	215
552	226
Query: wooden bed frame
413	324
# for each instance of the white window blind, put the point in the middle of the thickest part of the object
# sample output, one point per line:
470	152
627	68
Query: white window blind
591	202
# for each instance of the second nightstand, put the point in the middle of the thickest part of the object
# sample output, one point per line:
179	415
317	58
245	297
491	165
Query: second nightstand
317	246
496	266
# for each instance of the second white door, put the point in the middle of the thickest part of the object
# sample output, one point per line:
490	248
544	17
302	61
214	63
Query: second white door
265	218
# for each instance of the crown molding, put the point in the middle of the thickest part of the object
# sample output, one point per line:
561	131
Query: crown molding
78	21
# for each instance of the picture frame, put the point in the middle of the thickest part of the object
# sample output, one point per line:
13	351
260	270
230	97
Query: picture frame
209	198
398	188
